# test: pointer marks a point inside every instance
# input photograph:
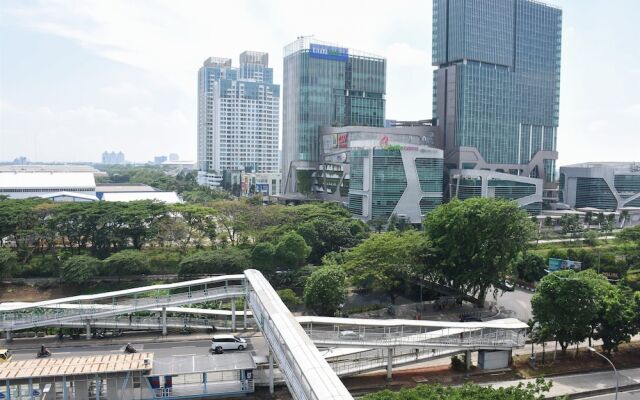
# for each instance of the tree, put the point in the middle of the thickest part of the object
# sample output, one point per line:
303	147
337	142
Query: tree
8	261
387	262
591	238
530	391
324	235
289	298
566	304
232	260
126	262
571	225
80	269
616	319
476	242
531	267
262	257
326	290
292	251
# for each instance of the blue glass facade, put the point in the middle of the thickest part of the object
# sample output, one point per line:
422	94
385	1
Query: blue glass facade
325	85
497	86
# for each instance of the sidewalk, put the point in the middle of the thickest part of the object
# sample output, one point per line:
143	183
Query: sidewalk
583	385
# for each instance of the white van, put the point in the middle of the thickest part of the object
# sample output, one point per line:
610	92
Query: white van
228	342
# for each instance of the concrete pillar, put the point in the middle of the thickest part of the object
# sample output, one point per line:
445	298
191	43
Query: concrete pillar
271	372
467	360
80	389
30	388
244	315
233	315
164	321
88	331
389	363
112	388
98	386
7	336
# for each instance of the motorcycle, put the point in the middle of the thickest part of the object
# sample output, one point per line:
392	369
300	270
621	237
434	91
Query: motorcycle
43	354
129	349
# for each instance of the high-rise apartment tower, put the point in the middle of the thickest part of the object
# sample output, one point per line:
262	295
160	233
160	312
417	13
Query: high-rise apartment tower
238	112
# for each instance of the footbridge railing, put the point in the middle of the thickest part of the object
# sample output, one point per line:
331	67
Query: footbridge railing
88	307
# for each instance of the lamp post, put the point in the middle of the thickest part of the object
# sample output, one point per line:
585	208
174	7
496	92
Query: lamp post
615	372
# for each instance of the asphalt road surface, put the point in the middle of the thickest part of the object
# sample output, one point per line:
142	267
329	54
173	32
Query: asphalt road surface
255	346
630	395
516	304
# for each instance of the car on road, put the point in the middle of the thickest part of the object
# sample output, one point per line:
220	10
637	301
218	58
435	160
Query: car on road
228	342
5	355
349	335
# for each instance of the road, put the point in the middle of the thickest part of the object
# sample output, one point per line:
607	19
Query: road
516	304
255	345
630	395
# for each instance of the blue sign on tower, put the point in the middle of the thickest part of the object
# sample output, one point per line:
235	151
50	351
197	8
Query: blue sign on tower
328	52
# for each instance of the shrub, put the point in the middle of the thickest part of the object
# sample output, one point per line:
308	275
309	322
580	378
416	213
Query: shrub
80	269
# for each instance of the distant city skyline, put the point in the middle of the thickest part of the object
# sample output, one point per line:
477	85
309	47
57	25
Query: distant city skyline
76	79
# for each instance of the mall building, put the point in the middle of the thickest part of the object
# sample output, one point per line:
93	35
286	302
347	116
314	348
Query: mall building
379	172
607	186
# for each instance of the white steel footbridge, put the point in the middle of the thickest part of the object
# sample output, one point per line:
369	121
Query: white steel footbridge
293	341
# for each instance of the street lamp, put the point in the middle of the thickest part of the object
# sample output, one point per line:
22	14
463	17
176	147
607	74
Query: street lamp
615	372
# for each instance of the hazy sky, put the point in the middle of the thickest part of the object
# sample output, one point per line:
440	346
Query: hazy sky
81	77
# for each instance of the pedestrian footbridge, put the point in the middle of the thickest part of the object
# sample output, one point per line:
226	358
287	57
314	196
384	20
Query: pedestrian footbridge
293	342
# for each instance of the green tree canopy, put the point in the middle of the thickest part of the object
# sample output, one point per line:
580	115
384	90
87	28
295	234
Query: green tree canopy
291	251
476	242
531	267
616	321
8	261
326	290
262	257
567	304
386	262
80	269
530	391
221	261
126	262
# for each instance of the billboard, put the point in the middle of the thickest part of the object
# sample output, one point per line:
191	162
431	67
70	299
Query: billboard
342	140
328	52
555	264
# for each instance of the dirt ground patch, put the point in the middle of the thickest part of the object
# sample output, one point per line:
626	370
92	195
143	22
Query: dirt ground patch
25	292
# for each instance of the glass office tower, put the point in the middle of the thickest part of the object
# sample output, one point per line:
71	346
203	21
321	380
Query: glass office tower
238	117
325	85
497	85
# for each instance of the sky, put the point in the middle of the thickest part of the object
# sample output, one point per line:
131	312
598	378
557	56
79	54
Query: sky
81	77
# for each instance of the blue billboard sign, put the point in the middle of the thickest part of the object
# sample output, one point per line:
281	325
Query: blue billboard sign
555	264
328	52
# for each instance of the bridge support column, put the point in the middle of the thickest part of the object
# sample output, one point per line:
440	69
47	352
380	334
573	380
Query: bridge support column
7	336
164	321
270	371
233	315
467	360
244	315
389	363
88	330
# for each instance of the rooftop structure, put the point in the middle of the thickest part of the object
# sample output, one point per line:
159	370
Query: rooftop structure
22	185
163	197
71	366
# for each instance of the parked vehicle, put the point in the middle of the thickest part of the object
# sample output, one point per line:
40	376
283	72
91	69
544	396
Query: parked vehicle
350	335
5	355
228	342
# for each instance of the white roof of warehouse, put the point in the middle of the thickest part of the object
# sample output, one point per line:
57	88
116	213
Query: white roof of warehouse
164	197
70	194
46	180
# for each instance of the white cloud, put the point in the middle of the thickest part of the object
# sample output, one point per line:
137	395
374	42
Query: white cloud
124	90
402	54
